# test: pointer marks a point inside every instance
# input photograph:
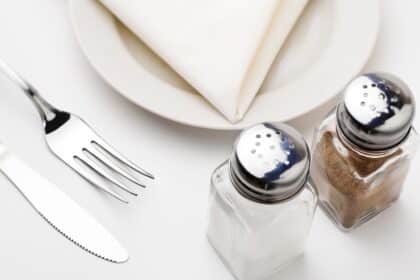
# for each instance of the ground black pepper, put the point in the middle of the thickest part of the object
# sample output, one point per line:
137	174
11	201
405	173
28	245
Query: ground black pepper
354	186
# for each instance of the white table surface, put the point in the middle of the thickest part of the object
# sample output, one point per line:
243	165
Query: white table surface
164	228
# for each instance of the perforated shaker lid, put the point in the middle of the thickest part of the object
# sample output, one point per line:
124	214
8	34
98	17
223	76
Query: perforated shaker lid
377	111
270	163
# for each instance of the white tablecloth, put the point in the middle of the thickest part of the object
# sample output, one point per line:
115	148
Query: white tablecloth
164	228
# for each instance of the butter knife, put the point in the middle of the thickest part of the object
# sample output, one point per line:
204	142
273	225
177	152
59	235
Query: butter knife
60	211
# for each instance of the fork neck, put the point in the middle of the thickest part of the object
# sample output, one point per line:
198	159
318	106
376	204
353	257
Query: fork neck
52	118
45	109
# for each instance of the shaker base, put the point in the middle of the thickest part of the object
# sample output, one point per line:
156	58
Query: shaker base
358	221
251	275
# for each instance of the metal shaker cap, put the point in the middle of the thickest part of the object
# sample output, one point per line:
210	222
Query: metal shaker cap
377	111
270	163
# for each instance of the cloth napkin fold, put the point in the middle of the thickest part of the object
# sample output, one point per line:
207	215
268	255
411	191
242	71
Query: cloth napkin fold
223	48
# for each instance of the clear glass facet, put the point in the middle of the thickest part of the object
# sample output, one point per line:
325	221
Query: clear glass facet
254	239
355	185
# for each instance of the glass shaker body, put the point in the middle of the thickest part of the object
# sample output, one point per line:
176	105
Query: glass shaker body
254	239
353	184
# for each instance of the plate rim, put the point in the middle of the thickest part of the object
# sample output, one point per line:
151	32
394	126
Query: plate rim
118	86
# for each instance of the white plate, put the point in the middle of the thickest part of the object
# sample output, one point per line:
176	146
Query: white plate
329	45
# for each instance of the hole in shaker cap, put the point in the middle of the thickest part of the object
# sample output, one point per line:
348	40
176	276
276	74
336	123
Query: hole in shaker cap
382	95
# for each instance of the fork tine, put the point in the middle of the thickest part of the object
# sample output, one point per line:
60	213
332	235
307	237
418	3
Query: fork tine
117	155
93	180
98	170
97	154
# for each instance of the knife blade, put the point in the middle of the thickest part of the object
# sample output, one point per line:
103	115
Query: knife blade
60	211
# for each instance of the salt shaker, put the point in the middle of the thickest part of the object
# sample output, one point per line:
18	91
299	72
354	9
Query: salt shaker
362	150
261	205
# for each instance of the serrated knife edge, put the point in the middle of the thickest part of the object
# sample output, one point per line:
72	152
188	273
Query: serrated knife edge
60	211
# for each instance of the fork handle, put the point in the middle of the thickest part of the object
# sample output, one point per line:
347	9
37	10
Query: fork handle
45	109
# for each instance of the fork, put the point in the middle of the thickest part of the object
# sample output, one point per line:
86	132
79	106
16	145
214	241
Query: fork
72	140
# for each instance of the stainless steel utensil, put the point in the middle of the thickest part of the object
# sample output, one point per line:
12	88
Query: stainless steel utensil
61	212
74	141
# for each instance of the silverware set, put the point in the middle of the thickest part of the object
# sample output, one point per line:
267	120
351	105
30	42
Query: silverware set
73	141
60	211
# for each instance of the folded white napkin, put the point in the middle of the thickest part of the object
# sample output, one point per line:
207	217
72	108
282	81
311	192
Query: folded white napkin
223	48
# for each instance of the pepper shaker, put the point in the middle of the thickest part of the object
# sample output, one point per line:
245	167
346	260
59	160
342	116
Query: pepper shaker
261	204
362	150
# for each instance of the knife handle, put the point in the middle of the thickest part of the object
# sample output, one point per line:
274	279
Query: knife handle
25	179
